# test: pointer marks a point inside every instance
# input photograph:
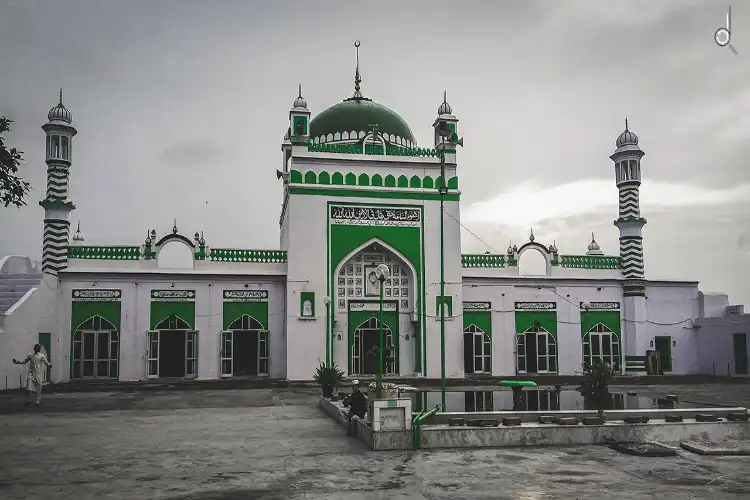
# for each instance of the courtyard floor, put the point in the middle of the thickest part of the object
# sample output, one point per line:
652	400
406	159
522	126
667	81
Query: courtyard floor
268	444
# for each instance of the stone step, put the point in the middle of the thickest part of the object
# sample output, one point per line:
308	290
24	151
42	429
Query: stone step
20	276
12	295
16	288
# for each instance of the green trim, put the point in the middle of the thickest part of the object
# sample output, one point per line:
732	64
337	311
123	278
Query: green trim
543	319
163	310
302	120
349	238
610	319
232	311
238	255
303	297
56	203
325	178
481	319
82	311
482	260
591	261
370	193
630	218
447	301
104	253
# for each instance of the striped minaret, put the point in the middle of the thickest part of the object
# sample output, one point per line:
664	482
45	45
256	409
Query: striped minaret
627	158
56	205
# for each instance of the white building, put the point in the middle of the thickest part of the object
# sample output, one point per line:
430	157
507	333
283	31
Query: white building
357	192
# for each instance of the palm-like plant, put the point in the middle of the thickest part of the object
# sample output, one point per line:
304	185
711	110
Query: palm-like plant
329	377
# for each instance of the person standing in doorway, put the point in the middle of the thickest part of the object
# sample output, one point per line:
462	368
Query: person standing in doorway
34	380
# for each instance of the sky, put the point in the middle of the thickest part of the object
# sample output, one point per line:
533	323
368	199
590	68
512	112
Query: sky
181	107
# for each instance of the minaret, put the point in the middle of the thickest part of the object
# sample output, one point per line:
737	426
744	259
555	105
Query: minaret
445	116
627	158
56	205
299	121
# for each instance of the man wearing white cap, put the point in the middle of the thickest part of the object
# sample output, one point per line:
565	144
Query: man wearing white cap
357	403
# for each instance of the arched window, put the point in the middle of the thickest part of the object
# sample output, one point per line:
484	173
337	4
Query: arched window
245	322
172	323
477	350
96	350
602	343
365	355
536	351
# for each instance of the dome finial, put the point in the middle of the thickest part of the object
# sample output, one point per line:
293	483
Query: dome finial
531	235
594	248
445	108
60	96
626	124
78	236
300	101
357	78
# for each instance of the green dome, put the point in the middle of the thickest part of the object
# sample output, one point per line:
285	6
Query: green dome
353	119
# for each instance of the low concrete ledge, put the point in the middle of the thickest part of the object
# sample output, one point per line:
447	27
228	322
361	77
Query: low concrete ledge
732	448
530	434
444	418
534	434
383	440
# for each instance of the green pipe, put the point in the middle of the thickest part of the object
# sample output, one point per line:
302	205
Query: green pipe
416	425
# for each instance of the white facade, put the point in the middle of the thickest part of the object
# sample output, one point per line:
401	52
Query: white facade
176	306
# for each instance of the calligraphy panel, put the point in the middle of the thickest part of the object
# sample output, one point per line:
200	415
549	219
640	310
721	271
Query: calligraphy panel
374	216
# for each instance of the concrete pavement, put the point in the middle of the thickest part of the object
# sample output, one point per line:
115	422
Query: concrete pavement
276	444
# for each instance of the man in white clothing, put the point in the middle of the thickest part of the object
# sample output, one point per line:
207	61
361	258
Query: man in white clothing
34	381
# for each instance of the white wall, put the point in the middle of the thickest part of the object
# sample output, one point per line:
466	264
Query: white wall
716	344
34	314
567	295
135	316
671	310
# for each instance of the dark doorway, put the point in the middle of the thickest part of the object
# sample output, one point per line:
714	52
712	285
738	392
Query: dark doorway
739	345
663	346
245	353
172	353
370	346
531	351
468	357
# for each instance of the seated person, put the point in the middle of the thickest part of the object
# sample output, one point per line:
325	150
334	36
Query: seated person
357	403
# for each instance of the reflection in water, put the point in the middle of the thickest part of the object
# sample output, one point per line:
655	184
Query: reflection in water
540	399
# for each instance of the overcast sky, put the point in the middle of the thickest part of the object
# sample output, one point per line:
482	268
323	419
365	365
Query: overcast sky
181	107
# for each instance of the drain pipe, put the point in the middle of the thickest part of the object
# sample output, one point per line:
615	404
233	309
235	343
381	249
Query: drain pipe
417	423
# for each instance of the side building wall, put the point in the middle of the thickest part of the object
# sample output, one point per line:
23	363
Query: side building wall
131	307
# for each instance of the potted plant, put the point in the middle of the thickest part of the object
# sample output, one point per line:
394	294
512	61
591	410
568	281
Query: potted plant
328	377
596	386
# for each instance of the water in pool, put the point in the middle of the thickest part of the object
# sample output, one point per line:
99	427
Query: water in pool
537	399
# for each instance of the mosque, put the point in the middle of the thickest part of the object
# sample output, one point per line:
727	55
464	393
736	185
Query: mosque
362	214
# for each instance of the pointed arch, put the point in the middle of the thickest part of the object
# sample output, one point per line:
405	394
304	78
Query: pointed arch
427	182
415	182
390	181
377	180
245	322
337	179
172	322
95	322
364	180
351	179
413	289
295	177
324	178
403	181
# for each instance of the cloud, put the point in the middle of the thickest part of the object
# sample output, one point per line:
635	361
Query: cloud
530	203
191	153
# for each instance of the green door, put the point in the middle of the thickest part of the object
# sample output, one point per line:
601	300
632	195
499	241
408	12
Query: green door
739	343
664	348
